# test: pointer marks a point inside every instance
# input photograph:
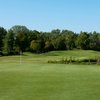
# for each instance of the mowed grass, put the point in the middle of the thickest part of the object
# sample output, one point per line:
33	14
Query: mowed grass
35	79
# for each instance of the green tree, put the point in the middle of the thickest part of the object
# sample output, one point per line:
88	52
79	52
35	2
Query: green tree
82	41
21	37
70	38
48	46
59	43
56	31
3	32
33	35
94	41
9	42
35	46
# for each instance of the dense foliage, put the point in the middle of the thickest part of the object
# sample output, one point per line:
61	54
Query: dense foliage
19	39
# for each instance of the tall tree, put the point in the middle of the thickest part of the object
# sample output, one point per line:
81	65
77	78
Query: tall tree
9	42
3	32
35	46
70	38
94	41
55	32
58	43
83	41
21	36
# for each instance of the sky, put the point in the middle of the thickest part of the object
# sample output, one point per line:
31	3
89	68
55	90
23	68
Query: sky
46	15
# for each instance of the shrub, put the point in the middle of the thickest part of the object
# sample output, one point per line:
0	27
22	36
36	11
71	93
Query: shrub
76	61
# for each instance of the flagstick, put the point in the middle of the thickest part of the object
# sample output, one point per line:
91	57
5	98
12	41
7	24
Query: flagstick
20	57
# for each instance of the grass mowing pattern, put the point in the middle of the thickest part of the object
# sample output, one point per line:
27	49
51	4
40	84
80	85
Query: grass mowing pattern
34	79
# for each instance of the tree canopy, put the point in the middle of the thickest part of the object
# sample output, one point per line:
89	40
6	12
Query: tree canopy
21	39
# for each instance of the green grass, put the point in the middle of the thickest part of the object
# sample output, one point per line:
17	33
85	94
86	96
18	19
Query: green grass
35	79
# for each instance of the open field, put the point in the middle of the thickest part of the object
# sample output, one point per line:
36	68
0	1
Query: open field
35	79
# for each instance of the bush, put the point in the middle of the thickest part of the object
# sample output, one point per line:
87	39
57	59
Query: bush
76	61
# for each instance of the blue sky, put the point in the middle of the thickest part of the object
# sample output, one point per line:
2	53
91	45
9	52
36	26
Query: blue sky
45	15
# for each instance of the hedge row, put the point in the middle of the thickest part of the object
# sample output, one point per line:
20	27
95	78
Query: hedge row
76	61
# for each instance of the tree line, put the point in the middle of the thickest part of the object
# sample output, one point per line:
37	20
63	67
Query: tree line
19	39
